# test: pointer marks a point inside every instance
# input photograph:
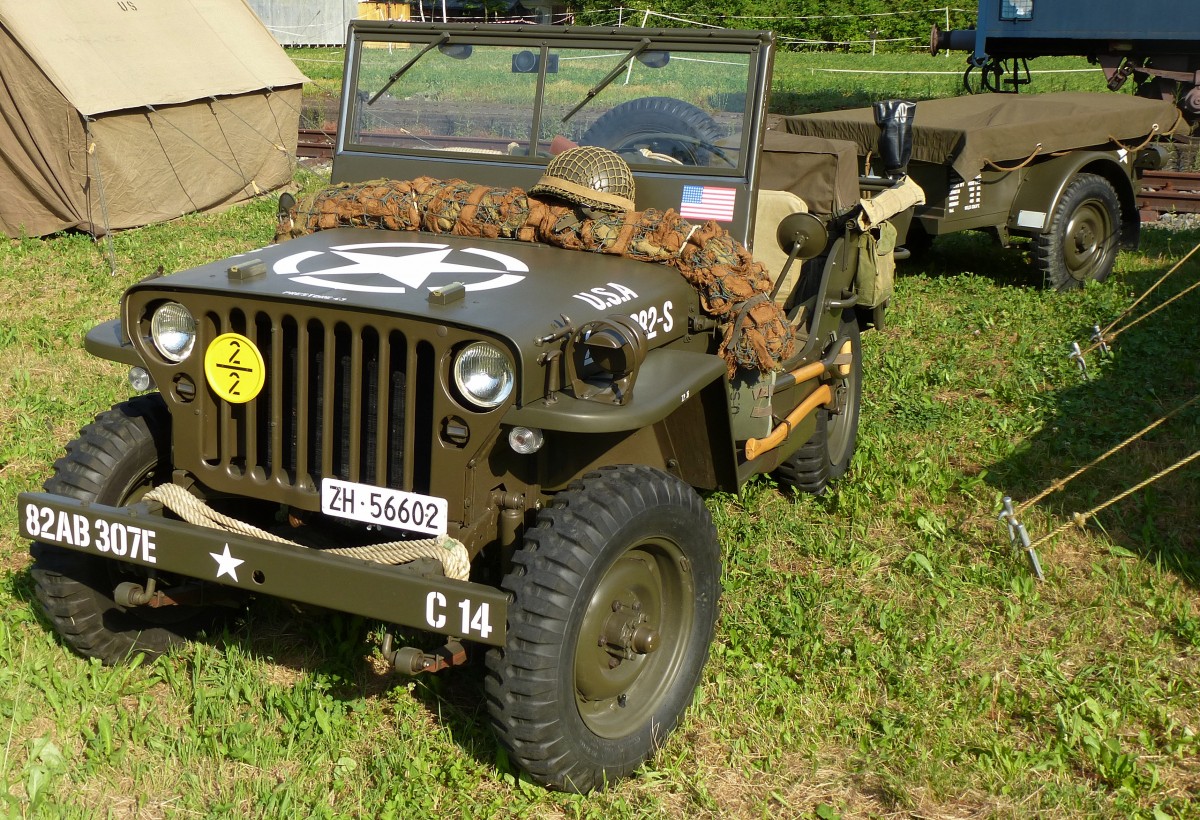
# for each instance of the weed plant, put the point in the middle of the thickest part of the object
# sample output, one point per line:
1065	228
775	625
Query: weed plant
882	651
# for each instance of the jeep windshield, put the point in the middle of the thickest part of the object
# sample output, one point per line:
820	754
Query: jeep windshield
664	101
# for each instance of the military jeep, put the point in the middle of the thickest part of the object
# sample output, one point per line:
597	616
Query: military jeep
487	444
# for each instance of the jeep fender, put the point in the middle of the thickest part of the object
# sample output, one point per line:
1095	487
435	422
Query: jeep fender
1042	186
680	395
108	340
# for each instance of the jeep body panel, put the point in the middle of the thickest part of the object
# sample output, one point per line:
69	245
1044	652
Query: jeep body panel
1017	201
514	290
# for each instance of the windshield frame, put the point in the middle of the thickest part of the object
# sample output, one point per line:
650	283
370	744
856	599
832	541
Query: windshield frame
547	41
659	186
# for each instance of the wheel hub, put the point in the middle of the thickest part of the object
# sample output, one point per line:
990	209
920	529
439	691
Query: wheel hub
628	633
1086	240
630	640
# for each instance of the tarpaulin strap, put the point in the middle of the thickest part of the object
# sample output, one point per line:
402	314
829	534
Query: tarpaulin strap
1036	150
742	315
1145	142
627	228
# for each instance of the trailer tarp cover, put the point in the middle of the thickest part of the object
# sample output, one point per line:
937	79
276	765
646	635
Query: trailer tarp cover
970	132
125	113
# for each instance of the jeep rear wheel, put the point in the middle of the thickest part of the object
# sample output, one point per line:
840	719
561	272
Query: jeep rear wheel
827	454
1081	244
614	606
116	460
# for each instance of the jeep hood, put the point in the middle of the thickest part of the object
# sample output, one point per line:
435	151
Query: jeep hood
513	289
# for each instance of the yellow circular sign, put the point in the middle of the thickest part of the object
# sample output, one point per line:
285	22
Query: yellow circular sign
234	368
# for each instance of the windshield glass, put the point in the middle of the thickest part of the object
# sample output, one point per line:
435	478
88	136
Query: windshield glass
664	106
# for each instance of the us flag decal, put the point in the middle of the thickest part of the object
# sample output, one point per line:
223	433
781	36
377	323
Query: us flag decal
707	202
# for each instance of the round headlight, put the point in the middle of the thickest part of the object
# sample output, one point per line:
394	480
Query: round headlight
483	374
173	331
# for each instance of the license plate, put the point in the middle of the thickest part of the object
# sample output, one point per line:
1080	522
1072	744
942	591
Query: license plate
383	506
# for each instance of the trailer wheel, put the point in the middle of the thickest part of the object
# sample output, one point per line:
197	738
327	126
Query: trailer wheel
115	460
1081	244
664	125
826	455
614	604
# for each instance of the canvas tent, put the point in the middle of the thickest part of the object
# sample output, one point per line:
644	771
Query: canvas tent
129	112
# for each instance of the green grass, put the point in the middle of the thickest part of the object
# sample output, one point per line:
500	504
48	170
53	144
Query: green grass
881	650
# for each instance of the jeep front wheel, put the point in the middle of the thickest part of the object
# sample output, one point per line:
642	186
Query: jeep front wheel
614	606
116	459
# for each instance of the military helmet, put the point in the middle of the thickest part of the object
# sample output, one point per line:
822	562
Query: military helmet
590	176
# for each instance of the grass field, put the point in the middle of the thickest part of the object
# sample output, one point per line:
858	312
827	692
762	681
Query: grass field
881	650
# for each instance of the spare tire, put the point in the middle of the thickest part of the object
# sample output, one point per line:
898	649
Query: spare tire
664	125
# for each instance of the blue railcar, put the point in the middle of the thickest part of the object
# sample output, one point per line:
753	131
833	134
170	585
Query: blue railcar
1156	43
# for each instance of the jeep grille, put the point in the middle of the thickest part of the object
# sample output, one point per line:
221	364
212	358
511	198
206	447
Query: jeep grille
337	397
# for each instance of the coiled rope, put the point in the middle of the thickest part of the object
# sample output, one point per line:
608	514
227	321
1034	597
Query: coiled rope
450	552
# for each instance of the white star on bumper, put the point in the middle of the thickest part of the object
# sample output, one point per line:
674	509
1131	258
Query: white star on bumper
226	563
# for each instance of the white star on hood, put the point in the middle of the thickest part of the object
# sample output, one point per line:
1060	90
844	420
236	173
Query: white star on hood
411	269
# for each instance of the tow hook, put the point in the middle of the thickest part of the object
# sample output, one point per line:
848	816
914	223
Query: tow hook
130	594
408	660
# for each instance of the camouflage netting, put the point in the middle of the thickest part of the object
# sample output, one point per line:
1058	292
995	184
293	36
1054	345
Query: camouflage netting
733	287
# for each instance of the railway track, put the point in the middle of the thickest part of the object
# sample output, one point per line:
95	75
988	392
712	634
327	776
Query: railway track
315	143
1161	191
1168	192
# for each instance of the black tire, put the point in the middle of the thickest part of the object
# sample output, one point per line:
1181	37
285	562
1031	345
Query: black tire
624	550
827	454
116	459
1085	227
665	125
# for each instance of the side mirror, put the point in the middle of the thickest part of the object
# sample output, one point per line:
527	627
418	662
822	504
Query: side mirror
803	235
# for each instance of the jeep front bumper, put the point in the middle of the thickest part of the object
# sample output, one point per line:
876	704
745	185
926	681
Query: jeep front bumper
139	535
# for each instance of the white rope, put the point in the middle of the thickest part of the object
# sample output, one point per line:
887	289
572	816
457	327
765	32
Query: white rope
452	554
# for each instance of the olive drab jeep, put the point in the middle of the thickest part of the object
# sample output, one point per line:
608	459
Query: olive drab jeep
475	390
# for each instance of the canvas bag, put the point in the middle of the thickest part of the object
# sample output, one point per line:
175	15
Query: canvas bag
876	274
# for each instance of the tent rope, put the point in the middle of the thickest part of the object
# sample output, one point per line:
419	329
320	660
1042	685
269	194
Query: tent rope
300	114
1063	482
236	171
1080	519
278	144
1105	336
91	153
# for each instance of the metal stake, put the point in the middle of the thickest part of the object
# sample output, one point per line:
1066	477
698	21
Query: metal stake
1077	355
1017	533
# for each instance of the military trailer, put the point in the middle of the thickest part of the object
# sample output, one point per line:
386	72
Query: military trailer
462	427
1059	169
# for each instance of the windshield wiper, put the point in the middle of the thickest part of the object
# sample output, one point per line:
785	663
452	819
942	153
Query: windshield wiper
399	72
612	75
